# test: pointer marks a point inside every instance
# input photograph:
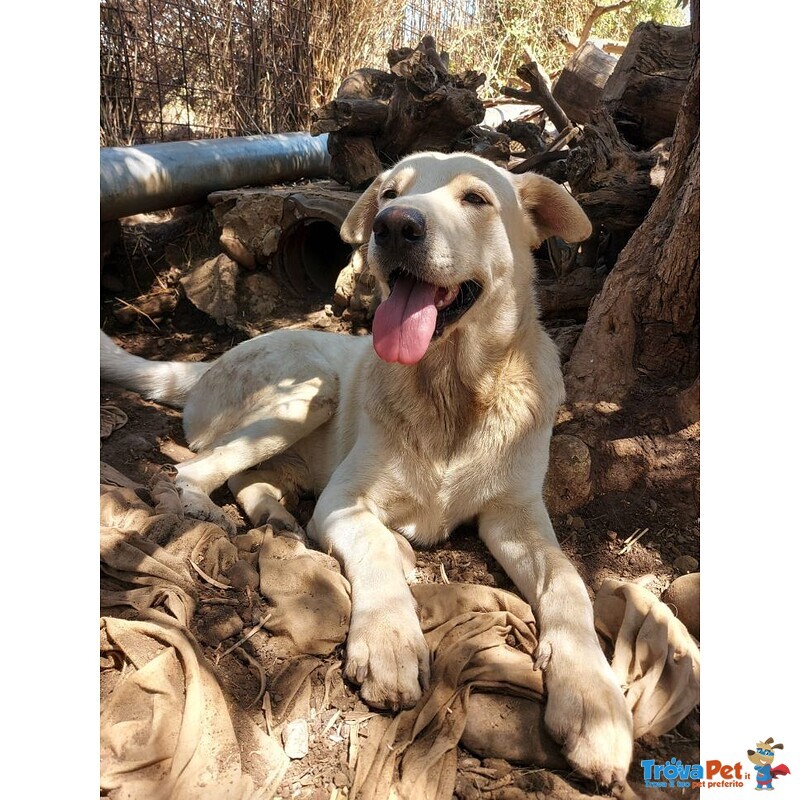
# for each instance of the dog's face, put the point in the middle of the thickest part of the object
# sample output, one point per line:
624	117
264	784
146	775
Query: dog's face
444	234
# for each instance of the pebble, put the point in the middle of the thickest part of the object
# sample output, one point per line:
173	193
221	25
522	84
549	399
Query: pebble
683	596
468	763
686	564
578	524
295	739
613	535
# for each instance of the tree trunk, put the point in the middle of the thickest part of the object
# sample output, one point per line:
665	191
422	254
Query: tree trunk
633	377
646	319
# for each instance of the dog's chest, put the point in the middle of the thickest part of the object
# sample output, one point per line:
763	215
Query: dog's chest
431	498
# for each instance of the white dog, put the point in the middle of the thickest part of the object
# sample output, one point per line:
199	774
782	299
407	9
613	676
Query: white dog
443	416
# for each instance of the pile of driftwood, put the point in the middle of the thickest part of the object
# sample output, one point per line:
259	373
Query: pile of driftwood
603	127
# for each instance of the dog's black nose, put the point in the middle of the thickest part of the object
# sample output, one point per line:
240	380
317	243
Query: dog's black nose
398	226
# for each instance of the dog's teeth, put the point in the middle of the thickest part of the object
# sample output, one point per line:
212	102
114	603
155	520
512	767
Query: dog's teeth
447	298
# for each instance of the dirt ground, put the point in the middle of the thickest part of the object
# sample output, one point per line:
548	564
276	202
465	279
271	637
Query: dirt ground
144	260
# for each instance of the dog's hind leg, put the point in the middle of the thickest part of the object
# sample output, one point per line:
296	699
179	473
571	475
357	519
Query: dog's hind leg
255	441
262	493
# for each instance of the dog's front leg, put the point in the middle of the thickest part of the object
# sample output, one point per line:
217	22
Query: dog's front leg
586	710
386	651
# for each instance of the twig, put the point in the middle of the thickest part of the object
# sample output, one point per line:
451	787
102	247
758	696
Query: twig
331	722
219	601
138	311
352	750
208	578
445	579
631	540
252	632
328	679
262	675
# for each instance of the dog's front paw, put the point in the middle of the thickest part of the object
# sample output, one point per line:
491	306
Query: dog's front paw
387	654
586	713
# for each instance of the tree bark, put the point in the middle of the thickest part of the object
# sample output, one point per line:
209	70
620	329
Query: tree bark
646	318
614	184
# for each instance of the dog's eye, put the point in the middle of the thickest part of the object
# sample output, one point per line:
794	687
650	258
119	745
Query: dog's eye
389	194
474	199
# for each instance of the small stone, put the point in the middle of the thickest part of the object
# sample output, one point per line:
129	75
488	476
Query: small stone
686	564
322	321
653	506
295	739
468	763
243	575
612	535
578	524
683	597
328	310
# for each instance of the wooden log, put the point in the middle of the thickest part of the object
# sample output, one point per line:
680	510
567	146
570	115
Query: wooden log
367	84
528	134
419	105
644	93
356	116
580	85
614	184
354	160
539	93
571	293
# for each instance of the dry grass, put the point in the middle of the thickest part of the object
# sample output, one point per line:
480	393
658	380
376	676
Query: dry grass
180	69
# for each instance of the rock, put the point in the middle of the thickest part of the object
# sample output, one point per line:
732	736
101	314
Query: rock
340	779
683	596
468	763
686	564
243	575
295	739
568	484
211	286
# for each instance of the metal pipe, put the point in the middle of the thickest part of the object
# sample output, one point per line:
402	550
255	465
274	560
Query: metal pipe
157	176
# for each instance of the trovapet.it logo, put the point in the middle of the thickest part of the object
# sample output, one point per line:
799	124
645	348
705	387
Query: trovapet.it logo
675	774
715	774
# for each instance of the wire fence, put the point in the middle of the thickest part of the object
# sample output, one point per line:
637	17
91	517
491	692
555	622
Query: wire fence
184	69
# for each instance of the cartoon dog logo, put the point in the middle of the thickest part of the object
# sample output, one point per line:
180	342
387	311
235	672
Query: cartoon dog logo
762	757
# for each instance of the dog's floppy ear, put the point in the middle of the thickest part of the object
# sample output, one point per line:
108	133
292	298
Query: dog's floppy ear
553	209
357	227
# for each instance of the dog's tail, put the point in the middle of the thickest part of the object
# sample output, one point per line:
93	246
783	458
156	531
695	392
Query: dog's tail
165	381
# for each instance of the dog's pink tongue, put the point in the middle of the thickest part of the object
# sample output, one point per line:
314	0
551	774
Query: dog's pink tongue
405	321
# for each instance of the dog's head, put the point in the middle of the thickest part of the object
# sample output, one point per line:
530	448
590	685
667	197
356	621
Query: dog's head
447	232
